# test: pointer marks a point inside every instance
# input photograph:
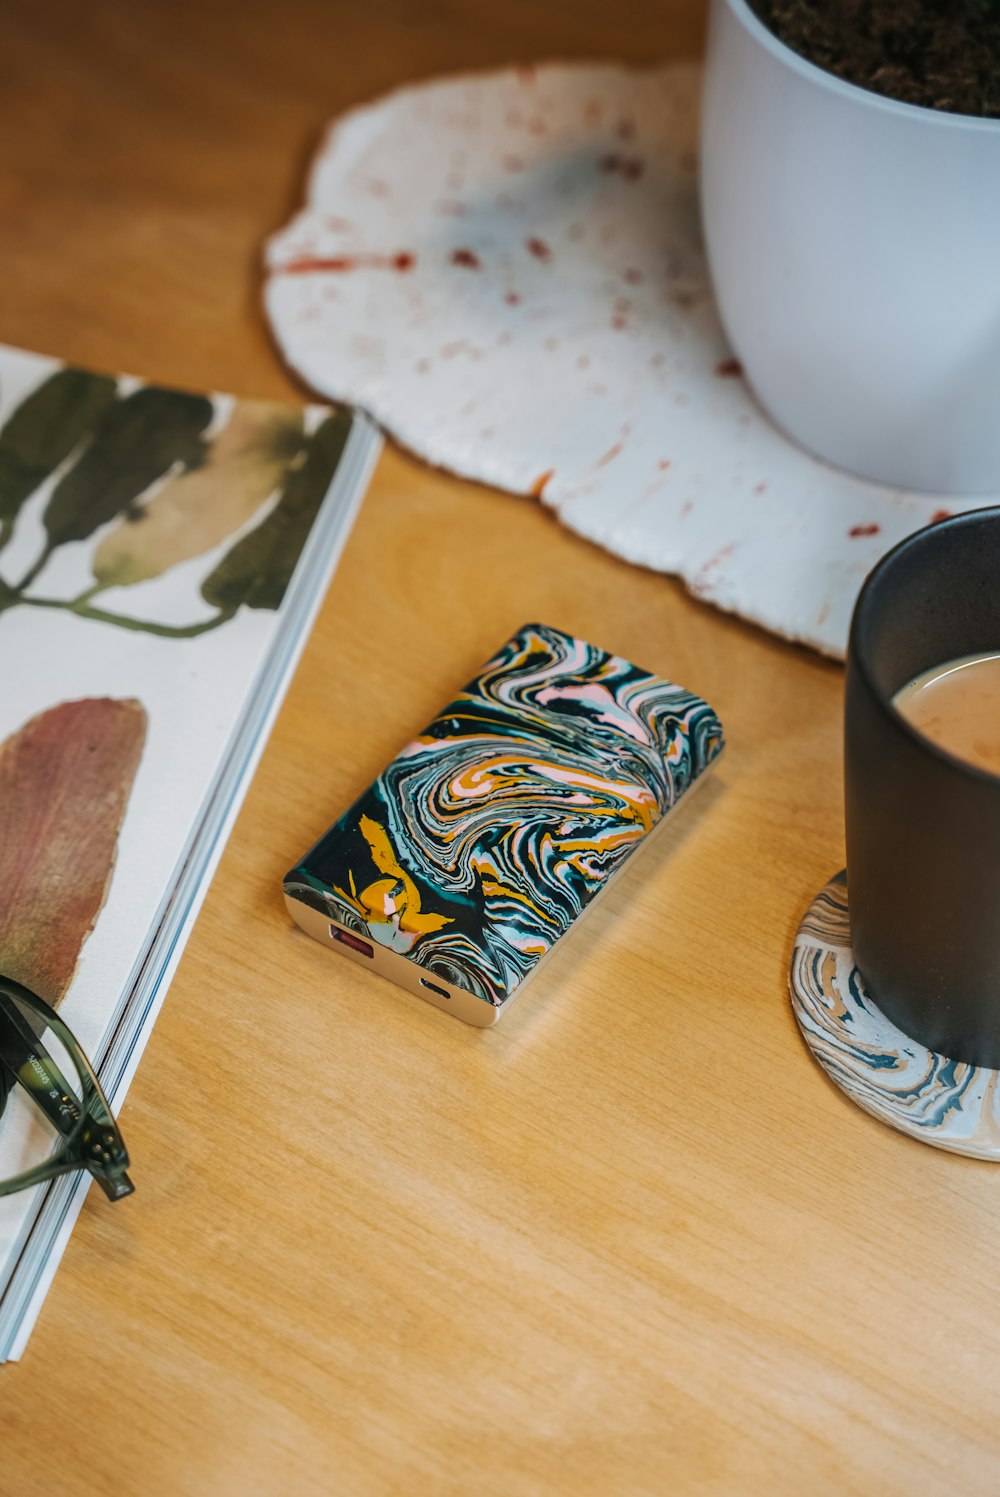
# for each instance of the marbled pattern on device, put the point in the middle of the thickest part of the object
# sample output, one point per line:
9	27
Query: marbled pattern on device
475	850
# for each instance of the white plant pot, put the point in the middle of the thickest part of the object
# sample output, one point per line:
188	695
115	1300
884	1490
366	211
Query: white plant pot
854	244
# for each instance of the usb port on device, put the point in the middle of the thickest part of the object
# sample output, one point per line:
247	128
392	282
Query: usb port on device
353	942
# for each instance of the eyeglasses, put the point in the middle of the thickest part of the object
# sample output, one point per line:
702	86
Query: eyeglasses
57	1091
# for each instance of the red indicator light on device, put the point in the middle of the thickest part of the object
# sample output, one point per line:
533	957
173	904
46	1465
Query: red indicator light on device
364	948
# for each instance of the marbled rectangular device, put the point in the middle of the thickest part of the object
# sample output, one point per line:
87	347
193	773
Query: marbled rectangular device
478	847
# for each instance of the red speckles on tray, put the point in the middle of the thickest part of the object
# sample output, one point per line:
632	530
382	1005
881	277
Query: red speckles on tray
717	560
760	488
939	514
857	532
339	264
308	264
512	299
538	248
513	163
629	168
729	369
663	464
632	276
467	258
610	455
378	188
541	483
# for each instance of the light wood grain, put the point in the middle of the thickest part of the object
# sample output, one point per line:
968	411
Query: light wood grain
630	1241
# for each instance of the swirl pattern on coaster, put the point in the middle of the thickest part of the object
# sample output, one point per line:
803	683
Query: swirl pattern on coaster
481	843
940	1101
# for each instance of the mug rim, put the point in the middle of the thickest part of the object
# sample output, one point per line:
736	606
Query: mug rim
856	654
811	72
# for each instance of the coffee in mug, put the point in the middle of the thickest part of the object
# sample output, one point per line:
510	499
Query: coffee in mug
957	706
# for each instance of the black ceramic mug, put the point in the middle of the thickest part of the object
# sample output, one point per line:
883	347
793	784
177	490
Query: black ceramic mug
923	827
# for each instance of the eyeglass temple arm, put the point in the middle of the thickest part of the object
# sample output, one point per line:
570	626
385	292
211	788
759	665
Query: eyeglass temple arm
102	1151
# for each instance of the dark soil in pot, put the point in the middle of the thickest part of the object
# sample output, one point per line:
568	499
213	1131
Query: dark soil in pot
944	54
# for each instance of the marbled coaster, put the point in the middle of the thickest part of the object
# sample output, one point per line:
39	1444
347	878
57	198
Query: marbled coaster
940	1101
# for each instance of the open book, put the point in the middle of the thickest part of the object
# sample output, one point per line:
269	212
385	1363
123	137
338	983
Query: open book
162	556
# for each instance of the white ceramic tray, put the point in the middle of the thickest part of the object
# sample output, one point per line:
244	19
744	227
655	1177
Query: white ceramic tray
506	270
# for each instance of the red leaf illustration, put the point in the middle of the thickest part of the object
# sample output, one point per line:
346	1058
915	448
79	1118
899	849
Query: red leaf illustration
65	780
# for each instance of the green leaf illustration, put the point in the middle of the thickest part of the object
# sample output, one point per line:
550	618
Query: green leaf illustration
44	429
195	511
257	570
137	441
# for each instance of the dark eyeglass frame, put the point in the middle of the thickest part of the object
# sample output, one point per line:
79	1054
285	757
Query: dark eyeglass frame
91	1140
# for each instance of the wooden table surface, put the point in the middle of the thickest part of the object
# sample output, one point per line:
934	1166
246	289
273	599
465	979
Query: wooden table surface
629	1241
